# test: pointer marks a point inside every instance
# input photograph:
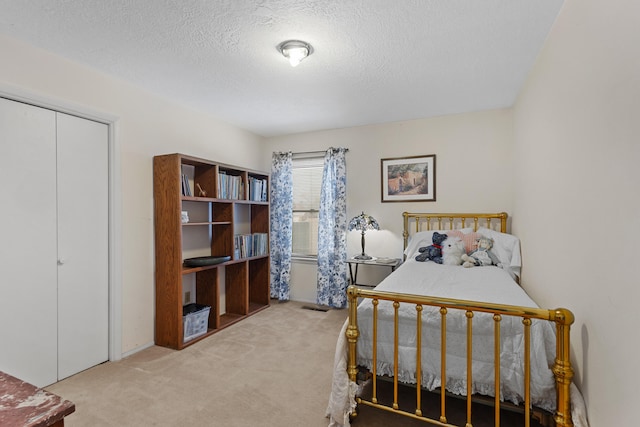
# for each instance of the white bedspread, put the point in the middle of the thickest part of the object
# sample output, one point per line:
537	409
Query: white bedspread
485	284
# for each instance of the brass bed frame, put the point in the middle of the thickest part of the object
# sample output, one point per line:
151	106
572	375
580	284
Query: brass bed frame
563	318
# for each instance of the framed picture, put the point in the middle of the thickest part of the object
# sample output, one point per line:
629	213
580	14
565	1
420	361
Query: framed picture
409	179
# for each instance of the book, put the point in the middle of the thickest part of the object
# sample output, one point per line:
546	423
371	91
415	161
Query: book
385	260
264	191
186	188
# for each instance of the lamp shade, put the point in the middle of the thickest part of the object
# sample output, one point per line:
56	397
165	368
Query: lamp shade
363	222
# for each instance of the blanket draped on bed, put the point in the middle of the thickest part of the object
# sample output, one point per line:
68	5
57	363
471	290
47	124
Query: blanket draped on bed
343	391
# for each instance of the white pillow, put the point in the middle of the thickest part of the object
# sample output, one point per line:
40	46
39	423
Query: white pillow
506	247
425	238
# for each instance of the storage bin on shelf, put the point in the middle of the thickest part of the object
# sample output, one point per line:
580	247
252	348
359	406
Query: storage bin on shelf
195	319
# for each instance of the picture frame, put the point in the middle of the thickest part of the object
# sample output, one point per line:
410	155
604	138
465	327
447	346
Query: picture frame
409	179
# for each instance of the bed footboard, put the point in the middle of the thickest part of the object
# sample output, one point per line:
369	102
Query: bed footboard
562	370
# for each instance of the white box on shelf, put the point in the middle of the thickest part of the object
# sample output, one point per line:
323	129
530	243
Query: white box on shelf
195	320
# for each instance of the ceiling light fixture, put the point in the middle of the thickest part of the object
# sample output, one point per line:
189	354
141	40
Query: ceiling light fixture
295	51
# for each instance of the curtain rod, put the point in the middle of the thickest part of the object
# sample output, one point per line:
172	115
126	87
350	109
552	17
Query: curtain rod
313	153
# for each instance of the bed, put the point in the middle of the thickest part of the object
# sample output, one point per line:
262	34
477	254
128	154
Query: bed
397	331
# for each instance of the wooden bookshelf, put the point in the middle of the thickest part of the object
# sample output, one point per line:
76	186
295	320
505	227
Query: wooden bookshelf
214	222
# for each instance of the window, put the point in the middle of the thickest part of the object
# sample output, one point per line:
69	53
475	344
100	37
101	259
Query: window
307	179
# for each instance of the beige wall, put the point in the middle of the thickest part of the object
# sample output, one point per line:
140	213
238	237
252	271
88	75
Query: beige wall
473	170
146	126
569	179
577	147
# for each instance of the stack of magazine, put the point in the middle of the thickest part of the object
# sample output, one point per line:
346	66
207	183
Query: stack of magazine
230	186
250	245
257	189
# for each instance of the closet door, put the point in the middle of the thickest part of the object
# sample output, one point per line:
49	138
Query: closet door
28	294
83	246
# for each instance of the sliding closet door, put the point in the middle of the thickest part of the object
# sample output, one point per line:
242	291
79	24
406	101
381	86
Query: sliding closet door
54	243
28	294
83	246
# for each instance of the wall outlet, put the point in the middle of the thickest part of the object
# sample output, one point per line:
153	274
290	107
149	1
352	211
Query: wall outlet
187	297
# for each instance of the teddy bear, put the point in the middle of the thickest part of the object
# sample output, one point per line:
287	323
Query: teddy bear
452	251
432	252
482	255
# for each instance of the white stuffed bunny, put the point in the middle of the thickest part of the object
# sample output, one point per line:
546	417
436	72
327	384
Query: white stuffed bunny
452	251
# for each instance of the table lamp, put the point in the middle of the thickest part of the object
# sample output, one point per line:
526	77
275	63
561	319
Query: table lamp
362	223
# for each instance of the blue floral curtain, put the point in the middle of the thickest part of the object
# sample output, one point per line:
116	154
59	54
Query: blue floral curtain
332	231
281	224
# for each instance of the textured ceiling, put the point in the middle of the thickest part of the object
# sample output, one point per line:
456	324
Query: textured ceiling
374	61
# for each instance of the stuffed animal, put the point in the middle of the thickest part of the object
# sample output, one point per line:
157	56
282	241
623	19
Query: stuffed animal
482	255
432	252
452	251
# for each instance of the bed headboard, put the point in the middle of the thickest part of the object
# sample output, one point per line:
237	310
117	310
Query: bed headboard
416	222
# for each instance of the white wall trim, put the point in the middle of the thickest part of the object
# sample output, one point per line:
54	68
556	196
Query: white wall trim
115	245
115	199
138	349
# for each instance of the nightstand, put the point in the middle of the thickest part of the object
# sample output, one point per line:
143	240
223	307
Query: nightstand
391	263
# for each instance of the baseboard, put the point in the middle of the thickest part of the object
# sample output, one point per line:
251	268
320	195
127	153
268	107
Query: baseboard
138	349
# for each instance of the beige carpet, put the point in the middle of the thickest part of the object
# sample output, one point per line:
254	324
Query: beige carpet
271	369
